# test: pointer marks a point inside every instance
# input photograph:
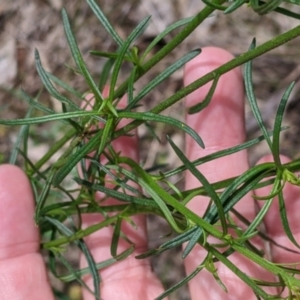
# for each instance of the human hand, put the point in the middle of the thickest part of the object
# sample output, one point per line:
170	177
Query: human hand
22	271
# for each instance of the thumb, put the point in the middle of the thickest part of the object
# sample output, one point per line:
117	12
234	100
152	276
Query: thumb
22	270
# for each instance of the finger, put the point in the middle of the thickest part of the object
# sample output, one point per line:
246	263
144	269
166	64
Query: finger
130	278
221	125
22	269
272	221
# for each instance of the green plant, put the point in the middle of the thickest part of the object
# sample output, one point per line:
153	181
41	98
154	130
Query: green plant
86	141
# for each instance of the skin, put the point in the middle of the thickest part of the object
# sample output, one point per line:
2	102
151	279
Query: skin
23	274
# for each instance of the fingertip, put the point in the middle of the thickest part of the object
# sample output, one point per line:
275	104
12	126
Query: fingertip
8	169
222	123
22	270
13	185
16	213
208	60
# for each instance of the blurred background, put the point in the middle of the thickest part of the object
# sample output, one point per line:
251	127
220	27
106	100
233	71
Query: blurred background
29	24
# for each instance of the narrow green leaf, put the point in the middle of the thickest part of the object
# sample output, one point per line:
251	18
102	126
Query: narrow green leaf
167	198
266	7
43	196
64	85
290	280
106	54
158	194
30	165
56	146
196	108
239	188
246	187
119	181
36	104
151	252
92	267
192	242
219	154
288	13
210	267
181	283
72	272
277	124
214	5
246	237
131	85
262	212
104	21
115	238
261	234
208	188
59	295
268	197
297	2
25	147
86	252
174	188
157	197
53	117
252	99
122	51
180	239
231	266
105	73
285	220
72	160
234	5
78	58
153	134
79	234
41	107
117	195
162	76
234	192
100	266
106	134
49	86
22	135
148	116
165	32
178	39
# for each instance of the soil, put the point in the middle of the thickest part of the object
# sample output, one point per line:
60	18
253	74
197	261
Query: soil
26	25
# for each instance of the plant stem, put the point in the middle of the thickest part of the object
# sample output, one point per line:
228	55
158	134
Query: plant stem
177	40
57	146
243	58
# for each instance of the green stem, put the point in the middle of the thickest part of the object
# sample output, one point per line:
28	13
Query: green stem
289	280
242	275
243	58
94	141
238	61
80	234
57	146
177	40
130	211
